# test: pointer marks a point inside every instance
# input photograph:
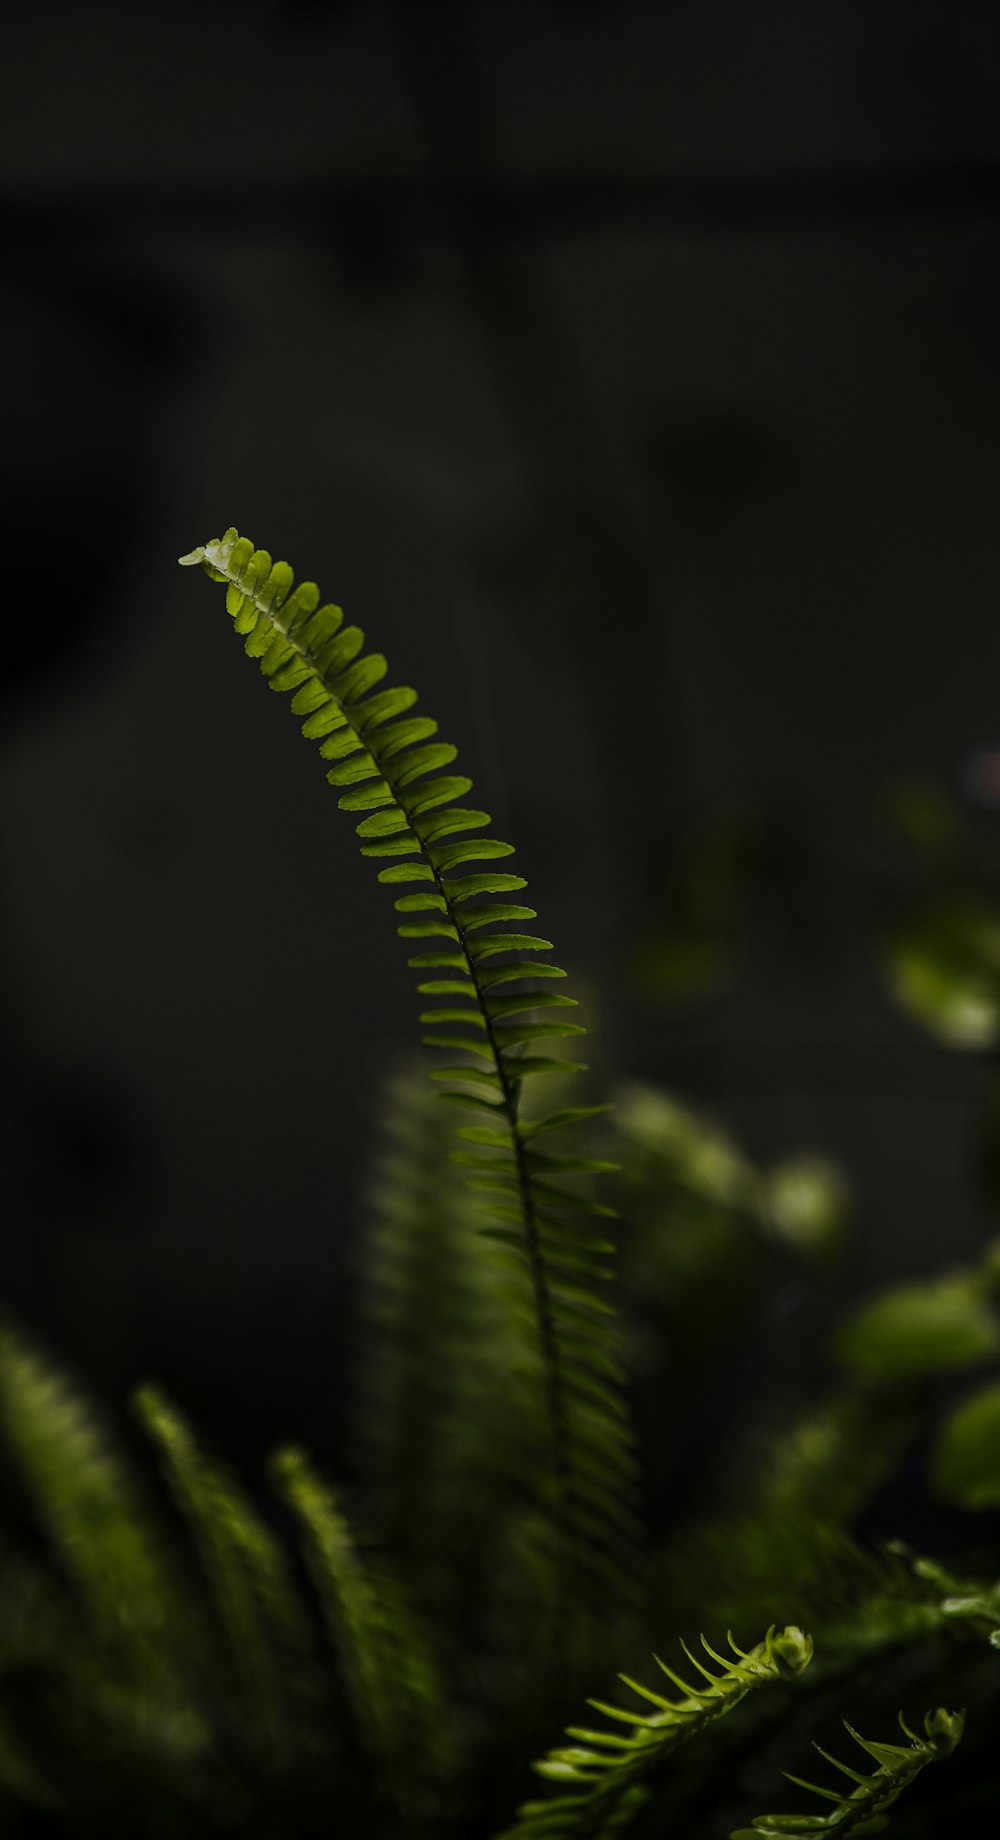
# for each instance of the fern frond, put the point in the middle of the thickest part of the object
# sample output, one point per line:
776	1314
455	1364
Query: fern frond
89	1507
604	1766
453	1416
247	1572
412	817
862	1811
385	1661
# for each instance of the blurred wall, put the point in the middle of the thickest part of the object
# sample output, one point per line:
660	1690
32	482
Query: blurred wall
631	372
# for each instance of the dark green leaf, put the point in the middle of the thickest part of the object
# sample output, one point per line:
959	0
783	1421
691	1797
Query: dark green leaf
573	1114
457	1041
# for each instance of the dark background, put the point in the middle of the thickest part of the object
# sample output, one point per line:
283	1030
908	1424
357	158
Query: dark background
631	373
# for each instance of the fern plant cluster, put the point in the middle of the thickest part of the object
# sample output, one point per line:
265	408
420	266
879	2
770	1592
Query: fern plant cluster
407	1652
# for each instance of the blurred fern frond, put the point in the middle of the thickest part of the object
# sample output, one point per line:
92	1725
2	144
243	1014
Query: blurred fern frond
251	1587
453	1426
88	1504
383	1654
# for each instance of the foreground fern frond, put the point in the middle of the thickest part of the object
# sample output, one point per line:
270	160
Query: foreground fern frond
604	1769
863	1810
484	985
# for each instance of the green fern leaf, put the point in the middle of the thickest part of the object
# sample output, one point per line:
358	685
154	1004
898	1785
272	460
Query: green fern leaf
393	775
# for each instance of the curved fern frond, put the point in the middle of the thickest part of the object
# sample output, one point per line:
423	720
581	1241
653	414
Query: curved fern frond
386	1665
489	996
604	1767
862	1811
247	1572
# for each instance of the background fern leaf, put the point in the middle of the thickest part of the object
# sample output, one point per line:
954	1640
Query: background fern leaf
384	1659
250	1581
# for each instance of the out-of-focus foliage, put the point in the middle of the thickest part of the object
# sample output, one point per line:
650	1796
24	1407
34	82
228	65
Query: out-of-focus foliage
193	1653
943	967
691	950
941	952
925	1328
966	1463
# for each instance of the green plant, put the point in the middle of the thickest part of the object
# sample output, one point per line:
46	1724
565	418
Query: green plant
283	1659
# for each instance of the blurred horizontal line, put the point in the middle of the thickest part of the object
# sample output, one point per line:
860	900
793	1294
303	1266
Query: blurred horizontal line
506	209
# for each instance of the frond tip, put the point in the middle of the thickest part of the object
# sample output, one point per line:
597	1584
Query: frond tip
863	1810
603	1770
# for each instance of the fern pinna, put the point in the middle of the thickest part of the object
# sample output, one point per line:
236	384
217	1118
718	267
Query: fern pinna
863	1810
602	1772
485	984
